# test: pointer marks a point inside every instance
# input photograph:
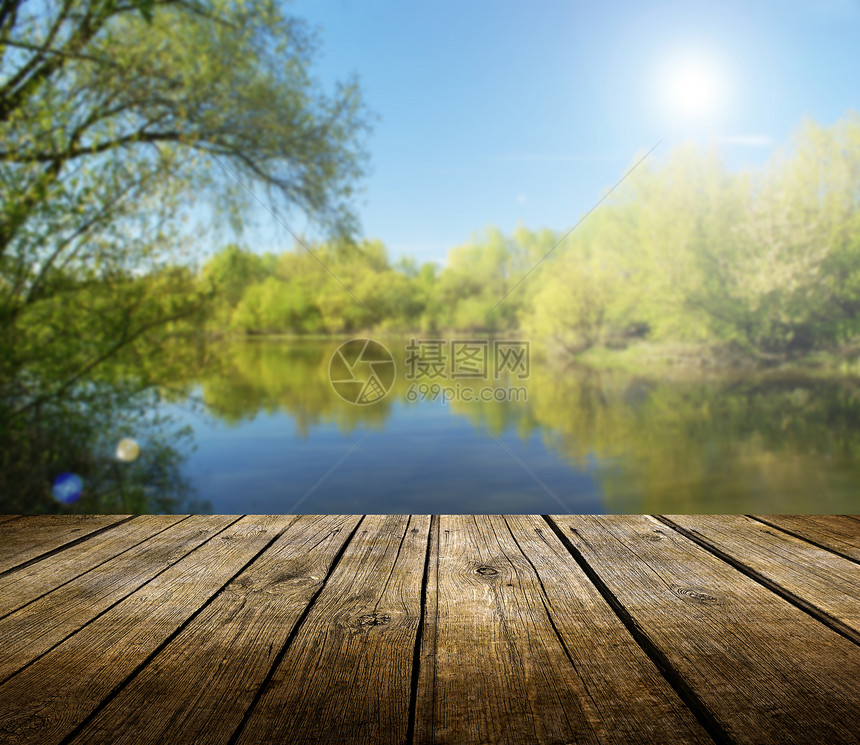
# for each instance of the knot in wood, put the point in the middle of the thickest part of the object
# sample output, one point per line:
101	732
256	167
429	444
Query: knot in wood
486	571
696	595
374	619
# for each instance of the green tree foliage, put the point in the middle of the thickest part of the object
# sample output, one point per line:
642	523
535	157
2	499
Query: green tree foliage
229	273
587	294
764	262
114	118
328	288
785	277
481	285
767	260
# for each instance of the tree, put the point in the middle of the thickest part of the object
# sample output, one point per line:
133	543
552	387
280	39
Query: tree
584	291
110	126
785	276
473	281
229	273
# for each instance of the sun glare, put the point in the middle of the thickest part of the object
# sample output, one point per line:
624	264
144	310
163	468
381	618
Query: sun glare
693	89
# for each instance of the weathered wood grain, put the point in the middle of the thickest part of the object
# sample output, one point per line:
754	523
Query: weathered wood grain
37	627
345	676
28	537
6	518
47	701
25	585
765	670
231	646
496	671
840	534
632	701
816	578
178	629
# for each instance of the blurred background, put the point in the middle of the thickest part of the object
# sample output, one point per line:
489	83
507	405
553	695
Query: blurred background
202	202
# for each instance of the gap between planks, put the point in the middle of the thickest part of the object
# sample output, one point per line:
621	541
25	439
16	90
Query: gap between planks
421	653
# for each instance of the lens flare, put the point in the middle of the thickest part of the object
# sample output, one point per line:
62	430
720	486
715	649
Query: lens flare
127	450
67	488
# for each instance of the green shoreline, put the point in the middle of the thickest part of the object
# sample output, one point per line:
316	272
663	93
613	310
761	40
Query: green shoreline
675	359
706	360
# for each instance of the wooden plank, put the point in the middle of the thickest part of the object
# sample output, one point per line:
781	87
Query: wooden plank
231	645
346	675
25	585
7	518
38	626
47	701
633	702
765	670
817	579
833	532
31	536
493	668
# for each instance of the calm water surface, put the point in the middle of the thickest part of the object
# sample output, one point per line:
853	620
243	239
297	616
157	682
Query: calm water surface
273	437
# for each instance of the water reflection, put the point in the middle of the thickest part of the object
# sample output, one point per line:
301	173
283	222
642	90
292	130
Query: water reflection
105	448
610	442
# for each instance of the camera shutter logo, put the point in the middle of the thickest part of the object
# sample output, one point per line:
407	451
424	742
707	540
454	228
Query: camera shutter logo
361	371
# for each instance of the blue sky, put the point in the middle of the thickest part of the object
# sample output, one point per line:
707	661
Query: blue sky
493	112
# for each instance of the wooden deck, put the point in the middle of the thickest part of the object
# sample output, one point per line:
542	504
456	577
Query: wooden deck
444	629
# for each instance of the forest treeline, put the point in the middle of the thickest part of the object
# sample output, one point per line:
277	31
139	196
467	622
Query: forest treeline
766	260
106	148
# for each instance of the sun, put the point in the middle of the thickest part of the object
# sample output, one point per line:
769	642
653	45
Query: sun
693	88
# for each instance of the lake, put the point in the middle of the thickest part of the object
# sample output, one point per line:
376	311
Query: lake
275	435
